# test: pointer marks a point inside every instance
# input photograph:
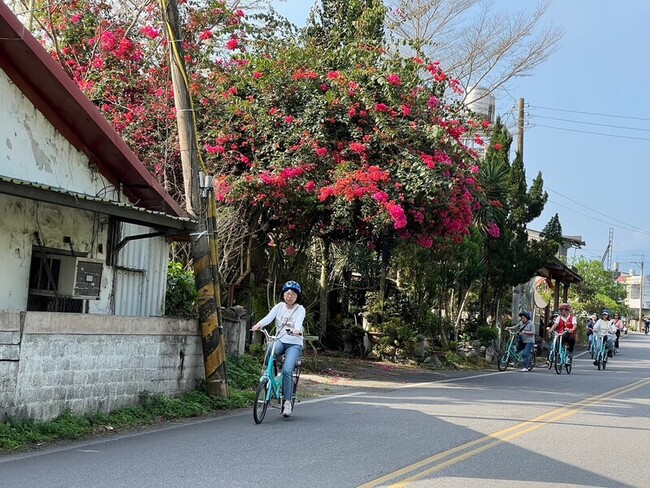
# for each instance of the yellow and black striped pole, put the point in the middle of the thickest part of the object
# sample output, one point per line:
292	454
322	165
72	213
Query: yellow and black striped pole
204	254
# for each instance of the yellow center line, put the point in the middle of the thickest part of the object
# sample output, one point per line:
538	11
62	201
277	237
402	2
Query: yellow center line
496	438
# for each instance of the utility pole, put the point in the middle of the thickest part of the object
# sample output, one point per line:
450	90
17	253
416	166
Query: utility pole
520	128
199	205
641	294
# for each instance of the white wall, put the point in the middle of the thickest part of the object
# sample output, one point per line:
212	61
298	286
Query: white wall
31	148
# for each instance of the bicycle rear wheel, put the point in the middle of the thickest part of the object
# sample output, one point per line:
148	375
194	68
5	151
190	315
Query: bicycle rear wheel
296	377
502	361
551	359
261	404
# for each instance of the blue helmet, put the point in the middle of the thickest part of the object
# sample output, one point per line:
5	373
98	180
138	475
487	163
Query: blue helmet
523	313
292	285
605	312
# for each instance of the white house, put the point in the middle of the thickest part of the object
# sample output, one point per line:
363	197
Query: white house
84	243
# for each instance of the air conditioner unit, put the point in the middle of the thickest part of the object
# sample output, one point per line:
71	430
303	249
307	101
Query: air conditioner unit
81	280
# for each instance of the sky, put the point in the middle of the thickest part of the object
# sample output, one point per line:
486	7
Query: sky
587	131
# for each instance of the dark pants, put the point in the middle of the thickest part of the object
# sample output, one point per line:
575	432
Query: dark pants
569	340
618	336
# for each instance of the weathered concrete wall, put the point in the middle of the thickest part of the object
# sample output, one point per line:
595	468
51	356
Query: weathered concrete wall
84	363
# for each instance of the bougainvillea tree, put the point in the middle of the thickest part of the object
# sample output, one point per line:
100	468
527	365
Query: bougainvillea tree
348	144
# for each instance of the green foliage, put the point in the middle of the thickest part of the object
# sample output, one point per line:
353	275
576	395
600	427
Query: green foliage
243	372
598	289
337	22
180	298
487	334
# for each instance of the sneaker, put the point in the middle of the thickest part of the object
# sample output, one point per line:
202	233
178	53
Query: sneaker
569	360
286	411
595	363
524	369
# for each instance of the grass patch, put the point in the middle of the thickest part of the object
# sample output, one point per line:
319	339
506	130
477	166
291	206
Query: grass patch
243	376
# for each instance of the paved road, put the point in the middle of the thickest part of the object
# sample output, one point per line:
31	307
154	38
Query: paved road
488	429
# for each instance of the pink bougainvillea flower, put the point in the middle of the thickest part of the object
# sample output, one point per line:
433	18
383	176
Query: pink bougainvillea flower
288	119
433	103
309	186
357	147
493	230
394	79
425	241
76	18
380	196
257	75
214	149
474	169
108	41
381	107
406	110
321	151
150	32
233	43
207	34
497	146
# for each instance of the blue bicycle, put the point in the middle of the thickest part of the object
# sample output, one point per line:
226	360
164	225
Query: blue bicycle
558	356
270	385
600	356
511	354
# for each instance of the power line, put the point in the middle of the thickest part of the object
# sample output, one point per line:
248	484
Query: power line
611	224
589	123
591	113
593	133
614	222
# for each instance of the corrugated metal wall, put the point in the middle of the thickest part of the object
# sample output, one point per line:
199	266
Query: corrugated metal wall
141	274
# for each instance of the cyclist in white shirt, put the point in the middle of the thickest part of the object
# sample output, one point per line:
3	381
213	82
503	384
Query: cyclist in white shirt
289	315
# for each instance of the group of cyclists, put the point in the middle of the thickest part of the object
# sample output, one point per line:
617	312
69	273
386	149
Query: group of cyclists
606	327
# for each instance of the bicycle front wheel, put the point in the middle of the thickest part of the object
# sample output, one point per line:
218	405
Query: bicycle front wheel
502	361
551	359
558	363
261	403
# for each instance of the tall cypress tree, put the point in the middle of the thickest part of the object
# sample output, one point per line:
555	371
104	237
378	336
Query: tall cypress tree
512	258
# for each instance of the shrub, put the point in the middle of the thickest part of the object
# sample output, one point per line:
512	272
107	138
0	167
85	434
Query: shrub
181	296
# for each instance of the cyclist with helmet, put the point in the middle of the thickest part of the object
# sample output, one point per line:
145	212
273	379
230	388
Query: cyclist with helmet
604	329
526	340
288	315
566	324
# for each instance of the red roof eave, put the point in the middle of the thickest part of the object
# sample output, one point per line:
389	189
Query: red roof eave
44	82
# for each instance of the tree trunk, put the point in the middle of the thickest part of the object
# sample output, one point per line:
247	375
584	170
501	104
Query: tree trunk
322	285
460	312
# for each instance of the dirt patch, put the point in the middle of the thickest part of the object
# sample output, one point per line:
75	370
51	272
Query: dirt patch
336	374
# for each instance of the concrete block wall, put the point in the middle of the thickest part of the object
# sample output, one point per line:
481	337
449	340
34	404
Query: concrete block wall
87	363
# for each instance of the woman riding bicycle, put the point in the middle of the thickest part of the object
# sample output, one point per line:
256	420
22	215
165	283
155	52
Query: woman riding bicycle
605	330
526	329
289	315
566	324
